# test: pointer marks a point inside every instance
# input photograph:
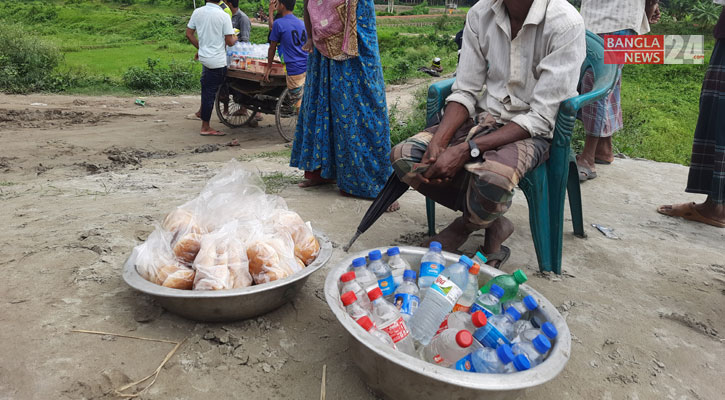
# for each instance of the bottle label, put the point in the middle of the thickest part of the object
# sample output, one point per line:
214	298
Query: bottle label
460	307
430	269
406	303
447	288
477	307
397	330
387	285
465	364
444	325
489	336
437	359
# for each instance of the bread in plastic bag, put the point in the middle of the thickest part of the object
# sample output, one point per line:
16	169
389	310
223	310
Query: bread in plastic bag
222	261
155	262
306	245
186	230
271	257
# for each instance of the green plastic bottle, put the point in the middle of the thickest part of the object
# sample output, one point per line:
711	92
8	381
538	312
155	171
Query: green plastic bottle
509	283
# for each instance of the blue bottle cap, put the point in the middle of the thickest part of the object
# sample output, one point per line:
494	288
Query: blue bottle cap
541	344
359	262
466	261
393	251
496	290
530	303
409	274
549	330
375	255
505	354
521	363
435	245
514	313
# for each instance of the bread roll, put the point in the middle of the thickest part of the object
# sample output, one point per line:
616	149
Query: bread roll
181	220
306	245
187	247
176	277
264	263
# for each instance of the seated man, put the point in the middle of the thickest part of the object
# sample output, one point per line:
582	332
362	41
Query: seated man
528	54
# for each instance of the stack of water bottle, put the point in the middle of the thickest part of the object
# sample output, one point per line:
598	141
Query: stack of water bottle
442	316
240	55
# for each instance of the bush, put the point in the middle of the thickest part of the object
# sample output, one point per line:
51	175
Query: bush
27	63
174	78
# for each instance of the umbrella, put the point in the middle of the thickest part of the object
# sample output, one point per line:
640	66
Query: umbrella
392	190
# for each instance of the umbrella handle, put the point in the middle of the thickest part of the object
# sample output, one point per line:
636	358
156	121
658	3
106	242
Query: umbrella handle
349	244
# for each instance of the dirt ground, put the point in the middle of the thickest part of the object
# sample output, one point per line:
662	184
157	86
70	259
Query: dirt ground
83	179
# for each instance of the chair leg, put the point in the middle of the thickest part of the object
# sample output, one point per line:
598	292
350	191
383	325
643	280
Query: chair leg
430	211
536	190
575	200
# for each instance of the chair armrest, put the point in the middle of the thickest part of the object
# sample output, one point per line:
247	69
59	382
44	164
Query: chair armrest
437	94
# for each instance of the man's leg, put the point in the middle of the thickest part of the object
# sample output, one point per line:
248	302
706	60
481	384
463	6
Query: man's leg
211	79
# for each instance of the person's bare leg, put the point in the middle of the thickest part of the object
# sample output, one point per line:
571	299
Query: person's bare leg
453	236
604	150
496	234
586	158
711	210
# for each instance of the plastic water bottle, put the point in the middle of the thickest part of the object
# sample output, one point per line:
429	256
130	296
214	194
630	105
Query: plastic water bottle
350	284
353	308
523	306
534	350
397	264
389	320
462	320
368	325
547	329
489	303
470	292
509	284
406	295
383	274
448	347
442	296
431	265
487	360
365	278
505	322
520	363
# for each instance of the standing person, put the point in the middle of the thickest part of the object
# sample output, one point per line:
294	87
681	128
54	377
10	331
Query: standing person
240	21
289	33
707	168
343	132
603	118
214	30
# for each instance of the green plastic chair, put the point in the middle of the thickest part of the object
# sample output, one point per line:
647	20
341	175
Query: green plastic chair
545	187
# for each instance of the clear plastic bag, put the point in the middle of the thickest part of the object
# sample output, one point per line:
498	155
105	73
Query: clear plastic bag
222	261
271	257
306	246
155	262
186	232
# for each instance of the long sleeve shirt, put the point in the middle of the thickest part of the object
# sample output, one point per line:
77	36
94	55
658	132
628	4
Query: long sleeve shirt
608	16
523	80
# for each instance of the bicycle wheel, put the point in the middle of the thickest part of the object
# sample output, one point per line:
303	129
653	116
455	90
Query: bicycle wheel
285	117
233	117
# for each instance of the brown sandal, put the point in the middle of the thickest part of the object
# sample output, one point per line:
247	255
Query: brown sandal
689	212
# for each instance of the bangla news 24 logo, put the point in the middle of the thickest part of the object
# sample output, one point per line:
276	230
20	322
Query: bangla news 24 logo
654	49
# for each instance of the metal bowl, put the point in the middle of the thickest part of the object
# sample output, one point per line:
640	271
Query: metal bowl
228	305
395	375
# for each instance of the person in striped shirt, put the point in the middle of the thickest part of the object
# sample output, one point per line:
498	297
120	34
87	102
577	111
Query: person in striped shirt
603	118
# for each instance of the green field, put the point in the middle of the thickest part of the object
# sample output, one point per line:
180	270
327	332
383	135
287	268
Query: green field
101	42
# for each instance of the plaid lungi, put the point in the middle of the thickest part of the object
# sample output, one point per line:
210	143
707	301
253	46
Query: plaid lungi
483	190
707	168
603	117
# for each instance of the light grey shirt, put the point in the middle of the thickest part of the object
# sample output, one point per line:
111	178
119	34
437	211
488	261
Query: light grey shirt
522	80
241	21
607	16
211	24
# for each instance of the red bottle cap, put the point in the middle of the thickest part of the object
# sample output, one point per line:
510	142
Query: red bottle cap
375	294
365	323
464	338
347	276
479	319
474	269
348	298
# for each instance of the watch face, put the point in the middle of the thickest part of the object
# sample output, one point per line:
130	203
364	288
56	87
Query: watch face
475	153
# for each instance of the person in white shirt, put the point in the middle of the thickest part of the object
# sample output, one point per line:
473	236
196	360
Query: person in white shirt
519	60
213	27
603	118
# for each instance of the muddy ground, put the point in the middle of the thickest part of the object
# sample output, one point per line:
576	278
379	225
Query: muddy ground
83	179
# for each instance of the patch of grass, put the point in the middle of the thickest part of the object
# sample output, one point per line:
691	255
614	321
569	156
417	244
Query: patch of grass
405	127
7	183
284	153
275	182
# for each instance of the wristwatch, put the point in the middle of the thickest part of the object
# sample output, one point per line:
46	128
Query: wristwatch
475	152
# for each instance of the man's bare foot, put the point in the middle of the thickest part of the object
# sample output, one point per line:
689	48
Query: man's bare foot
497	233
393	207
452	237
604	153
315	182
586	169
708	212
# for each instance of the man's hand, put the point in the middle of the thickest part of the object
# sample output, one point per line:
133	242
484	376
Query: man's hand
448	164
308	46
652	9
267	72
272	5
433	152
196	56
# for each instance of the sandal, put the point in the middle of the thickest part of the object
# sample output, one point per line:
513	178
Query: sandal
212	133
501	256
585	173
689	212
602	161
